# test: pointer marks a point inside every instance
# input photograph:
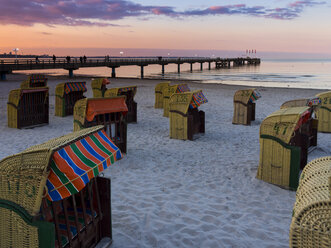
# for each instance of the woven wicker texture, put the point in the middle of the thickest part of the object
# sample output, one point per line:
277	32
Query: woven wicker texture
324	112
117	91
80	114
241	107
295	103
311	221
282	123
98	86
167	92
15	232
13	104
111	92
159	94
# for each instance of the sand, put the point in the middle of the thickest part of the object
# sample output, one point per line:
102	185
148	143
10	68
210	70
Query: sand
174	193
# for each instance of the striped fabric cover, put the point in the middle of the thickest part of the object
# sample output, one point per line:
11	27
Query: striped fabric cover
75	86
182	88
126	89
36	78
255	95
198	99
73	166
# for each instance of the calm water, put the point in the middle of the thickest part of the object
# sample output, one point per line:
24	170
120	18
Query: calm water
271	73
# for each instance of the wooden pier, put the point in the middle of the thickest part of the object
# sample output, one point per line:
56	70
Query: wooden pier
8	66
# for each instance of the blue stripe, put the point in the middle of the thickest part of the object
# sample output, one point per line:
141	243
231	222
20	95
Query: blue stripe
53	194
94	153
106	139
71	163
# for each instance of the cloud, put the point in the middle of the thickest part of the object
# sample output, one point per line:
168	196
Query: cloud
103	12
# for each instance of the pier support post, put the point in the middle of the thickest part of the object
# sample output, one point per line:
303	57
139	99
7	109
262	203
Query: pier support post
209	65
178	68
141	71
3	76
113	72
191	67
201	66
71	73
162	69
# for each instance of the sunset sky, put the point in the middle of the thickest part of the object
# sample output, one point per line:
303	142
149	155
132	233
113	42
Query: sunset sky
96	26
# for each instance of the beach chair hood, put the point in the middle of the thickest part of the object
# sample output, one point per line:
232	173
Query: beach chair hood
246	96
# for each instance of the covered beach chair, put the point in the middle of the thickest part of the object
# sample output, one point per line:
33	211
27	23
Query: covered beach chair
324	112
167	93
28	107
285	136
66	95
185	118
109	112
51	194
99	87
34	80
244	106
159	94
129	92
311	217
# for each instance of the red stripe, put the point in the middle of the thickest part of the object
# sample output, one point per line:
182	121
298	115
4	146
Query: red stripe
63	191
68	171
98	150
87	154
104	143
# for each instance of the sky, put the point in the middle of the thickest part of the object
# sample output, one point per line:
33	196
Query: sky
206	28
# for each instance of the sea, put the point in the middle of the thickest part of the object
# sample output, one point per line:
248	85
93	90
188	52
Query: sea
291	73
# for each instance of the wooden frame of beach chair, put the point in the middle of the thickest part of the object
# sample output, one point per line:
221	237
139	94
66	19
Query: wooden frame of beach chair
39	210
324	112
284	141
310	225
244	106
185	118
109	112
66	95
129	92
28	107
34	80
159	94
99	87
167	93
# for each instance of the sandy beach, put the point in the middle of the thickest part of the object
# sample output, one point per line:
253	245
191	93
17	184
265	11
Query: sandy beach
174	193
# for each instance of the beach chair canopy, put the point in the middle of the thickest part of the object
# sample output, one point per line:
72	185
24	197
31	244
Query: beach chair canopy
182	102
310	102
66	88
34	80
310	226
284	122
246	96
56	169
88	108
14	97
119	91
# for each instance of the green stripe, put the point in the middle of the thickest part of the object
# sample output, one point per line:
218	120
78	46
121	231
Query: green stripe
84	159
72	189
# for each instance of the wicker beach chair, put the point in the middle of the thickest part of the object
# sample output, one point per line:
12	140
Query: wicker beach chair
28	107
109	112
311	218
51	195
34	80
99	87
168	91
324	112
185	118
159	94
285	137
66	95
244	106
